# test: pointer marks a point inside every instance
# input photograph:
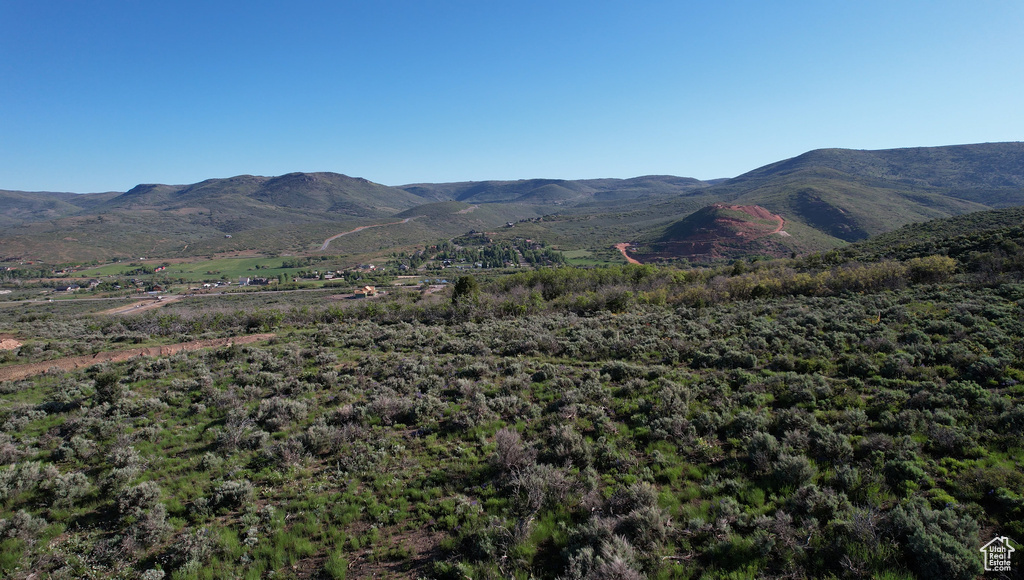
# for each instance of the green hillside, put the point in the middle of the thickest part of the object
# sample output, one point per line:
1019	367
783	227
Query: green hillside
17	207
841	195
985	167
847	414
983	237
855	194
20	207
286	198
561	191
846	207
827	197
293	212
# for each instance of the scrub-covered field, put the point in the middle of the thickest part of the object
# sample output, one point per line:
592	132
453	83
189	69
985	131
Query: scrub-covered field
803	418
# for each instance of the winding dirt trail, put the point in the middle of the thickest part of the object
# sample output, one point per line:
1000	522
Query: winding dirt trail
18	372
328	241
622	248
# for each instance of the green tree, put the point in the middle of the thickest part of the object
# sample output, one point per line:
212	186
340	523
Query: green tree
466	290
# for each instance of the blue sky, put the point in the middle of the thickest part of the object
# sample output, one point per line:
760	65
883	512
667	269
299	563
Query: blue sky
103	95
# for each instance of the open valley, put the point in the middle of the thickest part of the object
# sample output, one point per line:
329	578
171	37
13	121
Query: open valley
481	386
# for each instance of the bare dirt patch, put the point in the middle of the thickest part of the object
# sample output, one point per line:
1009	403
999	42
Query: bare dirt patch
757	212
422	548
433	289
18	372
8	343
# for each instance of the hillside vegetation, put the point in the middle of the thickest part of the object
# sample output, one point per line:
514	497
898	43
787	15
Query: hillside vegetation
830	197
559	190
850	195
852	414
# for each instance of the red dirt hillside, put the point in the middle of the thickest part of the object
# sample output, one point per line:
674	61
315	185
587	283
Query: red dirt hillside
720	230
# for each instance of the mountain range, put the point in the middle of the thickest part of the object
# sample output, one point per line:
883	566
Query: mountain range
824	198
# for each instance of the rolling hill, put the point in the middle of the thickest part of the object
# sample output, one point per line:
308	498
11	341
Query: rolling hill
852	194
998	233
242	212
720	229
832	196
959	168
17	207
558	191
289	198
826	197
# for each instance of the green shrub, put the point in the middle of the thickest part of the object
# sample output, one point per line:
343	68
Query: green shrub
939	544
336	566
793	470
233	494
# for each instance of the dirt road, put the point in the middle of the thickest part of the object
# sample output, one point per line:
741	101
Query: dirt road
141	305
18	372
622	248
328	241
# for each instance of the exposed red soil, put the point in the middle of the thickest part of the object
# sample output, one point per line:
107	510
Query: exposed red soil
725	235
726	227
18	372
751	210
622	248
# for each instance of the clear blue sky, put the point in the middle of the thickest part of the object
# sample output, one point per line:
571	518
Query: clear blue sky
103	95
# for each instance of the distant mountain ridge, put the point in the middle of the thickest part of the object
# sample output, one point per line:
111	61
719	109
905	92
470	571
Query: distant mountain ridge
557	190
304	192
984	166
827	197
21	206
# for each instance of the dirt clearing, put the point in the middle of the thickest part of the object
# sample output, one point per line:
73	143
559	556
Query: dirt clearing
8	343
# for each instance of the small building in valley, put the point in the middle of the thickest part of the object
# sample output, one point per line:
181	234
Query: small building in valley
366	291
